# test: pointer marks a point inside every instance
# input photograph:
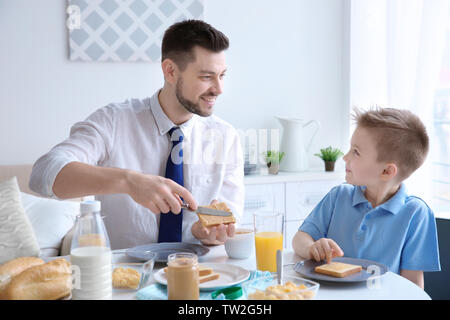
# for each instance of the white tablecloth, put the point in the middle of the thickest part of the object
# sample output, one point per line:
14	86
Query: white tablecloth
392	286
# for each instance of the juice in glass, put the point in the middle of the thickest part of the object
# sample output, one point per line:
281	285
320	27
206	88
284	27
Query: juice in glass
268	239
266	244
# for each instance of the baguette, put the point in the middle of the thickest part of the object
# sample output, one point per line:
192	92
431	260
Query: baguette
210	220
10	269
48	281
338	269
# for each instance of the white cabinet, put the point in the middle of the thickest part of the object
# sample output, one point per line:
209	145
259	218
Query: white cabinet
293	194
301	198
264	197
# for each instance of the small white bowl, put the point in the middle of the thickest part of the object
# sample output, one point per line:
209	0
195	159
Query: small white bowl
242	245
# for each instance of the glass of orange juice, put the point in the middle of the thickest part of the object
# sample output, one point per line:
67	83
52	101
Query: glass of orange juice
268	239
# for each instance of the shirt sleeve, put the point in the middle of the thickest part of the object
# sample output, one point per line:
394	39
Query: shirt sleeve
421	249
318	221
89	142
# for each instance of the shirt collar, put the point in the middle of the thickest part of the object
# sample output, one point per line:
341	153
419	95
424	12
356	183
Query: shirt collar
164	123
393	205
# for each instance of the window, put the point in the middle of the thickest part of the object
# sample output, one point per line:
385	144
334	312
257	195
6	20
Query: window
441	135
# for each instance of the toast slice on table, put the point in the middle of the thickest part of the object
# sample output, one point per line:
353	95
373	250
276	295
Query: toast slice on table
202	270
204	274
210	220
208	277
338	269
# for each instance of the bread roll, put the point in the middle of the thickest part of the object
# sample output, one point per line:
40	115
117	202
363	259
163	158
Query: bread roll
48	281
15	266
210	220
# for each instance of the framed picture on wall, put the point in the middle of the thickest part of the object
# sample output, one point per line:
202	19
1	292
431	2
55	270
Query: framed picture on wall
123	30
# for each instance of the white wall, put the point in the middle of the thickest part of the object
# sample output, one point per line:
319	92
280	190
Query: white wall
286	58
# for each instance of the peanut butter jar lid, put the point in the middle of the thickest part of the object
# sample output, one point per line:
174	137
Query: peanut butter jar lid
231	293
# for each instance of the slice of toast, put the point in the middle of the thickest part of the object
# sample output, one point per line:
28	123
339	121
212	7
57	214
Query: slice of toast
338	269
208	277
209	220
202	271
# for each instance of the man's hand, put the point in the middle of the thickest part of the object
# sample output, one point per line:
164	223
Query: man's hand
213	235
158	194
325	248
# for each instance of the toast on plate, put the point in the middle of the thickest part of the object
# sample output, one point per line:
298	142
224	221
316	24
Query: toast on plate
338	269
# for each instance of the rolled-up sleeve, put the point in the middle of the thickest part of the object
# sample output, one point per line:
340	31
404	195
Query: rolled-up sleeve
90	142
318	221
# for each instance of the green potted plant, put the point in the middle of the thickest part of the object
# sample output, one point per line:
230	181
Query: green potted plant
329	155
273	159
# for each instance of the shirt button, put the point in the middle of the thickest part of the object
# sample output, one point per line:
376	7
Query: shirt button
208	180
363	228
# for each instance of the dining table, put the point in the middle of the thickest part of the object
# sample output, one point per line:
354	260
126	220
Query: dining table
389	286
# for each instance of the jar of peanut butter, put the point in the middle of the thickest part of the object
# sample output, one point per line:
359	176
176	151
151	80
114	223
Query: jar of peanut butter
182	276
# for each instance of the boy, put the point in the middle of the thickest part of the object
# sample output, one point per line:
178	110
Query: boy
372	217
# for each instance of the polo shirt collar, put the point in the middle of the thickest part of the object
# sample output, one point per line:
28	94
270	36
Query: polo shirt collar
393	205
163	122
358	196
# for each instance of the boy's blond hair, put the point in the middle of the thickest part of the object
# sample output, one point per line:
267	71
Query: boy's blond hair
400	136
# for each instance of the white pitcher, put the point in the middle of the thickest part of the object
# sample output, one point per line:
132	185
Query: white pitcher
293	143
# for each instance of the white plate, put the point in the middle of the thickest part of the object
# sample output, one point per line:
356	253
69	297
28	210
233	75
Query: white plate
229	275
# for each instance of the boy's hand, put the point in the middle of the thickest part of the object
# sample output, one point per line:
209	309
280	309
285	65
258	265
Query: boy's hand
325	249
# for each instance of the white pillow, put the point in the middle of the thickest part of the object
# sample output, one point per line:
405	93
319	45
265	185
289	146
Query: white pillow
17	238
51	219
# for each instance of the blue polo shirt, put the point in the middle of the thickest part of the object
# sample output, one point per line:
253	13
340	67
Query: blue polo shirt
400	233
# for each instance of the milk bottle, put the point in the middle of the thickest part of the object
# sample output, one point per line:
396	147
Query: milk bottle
90	255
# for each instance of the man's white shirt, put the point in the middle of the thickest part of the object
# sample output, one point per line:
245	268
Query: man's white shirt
134	135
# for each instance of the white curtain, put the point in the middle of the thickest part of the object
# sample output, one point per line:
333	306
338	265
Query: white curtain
396	49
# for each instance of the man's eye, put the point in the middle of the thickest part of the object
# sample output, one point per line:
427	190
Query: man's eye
206	77
355	152
222	76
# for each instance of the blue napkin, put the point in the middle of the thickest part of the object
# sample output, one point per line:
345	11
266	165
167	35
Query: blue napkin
158	291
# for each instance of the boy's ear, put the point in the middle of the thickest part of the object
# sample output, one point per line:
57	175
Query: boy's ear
389	172
170	71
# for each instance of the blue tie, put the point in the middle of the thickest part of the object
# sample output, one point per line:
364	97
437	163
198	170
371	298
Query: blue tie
170	224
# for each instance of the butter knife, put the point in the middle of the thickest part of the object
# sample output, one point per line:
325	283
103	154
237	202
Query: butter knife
208	211
280	266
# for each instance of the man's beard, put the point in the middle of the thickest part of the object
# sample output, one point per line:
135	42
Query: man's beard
188	105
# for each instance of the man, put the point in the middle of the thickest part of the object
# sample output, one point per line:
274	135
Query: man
142	158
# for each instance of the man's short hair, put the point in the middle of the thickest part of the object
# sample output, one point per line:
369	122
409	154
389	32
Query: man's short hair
180	38
400	137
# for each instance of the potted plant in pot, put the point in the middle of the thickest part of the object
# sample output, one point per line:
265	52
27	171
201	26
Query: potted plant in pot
273	159
329	155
